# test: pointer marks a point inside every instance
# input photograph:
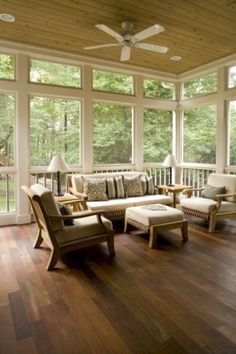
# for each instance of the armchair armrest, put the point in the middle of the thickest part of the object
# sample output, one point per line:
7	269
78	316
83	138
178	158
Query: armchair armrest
81	214
82	196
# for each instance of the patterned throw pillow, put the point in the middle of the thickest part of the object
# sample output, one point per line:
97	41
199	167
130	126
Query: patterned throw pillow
150	185
64	210
96	189
111	188
210	191
120	192
133	186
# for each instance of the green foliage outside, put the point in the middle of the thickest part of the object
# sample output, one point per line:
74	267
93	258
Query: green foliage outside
158	89
112	133
45	72
232	143
54	129
7	67
232	76
157	134
112	82
200	135
200	86
7	124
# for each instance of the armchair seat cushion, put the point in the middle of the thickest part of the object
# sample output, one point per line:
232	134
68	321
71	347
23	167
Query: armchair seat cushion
204	205
82	229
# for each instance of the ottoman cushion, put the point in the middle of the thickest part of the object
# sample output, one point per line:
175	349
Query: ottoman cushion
155	214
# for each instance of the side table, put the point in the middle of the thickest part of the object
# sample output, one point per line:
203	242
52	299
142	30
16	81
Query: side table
69	199
175	190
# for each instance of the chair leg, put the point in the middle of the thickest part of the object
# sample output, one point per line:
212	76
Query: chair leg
125	225
39	239
184	230
53	259
110	244
152	237
212	223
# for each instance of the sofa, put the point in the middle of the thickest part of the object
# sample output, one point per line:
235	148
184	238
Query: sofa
114	192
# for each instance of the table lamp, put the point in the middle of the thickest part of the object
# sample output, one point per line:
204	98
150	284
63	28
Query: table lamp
170	161
58	165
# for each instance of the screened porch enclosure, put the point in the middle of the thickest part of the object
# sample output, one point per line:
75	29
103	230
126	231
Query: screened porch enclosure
103	118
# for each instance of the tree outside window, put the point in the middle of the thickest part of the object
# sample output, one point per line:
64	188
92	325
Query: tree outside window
232	133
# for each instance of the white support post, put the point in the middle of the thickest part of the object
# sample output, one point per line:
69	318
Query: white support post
138	125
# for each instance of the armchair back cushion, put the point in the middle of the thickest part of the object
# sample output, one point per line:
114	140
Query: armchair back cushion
223	180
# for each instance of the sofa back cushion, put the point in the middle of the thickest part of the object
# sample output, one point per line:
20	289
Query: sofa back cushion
223	180
95	188
133	186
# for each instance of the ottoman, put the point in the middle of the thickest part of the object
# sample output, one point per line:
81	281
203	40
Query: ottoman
154	218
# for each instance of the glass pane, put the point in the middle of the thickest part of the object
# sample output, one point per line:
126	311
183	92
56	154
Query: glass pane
232	76
54	129
157	134
232	133
7	67
112	133
155	88
7	130
112	82
45	72
200	86
200	135
7	193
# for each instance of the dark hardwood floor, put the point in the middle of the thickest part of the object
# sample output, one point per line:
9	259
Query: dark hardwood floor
177	298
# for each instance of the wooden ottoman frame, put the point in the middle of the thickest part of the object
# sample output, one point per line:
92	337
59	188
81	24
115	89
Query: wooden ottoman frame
153	229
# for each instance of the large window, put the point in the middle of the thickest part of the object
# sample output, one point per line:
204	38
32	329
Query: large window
200	86
200	135
232	133
54	129
7	153
158	89
45	72
112	133
113	82
7	67
157	134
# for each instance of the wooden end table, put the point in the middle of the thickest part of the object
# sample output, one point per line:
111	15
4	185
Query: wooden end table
175	190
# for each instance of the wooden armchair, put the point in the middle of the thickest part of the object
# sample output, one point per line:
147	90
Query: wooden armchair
217	200
87	228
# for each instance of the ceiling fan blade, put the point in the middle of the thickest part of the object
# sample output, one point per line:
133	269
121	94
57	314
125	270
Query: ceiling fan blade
152	47
148	32
125	53
109	31
103	46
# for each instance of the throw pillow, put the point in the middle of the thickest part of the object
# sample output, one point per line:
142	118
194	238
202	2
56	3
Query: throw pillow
96	189
133	186
120	192
150	185
210	191
144	184
111	188
64	210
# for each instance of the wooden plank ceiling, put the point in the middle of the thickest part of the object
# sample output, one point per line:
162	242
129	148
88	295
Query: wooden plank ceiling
199	31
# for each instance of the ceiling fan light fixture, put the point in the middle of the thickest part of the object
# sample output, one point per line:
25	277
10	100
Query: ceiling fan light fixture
176	58
7	17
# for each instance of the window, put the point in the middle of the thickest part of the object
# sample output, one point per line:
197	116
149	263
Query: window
112	133
45	72
54	129
232	133
200	135
158	89
200	86
113	82
7	153
232	76
7	67
157	134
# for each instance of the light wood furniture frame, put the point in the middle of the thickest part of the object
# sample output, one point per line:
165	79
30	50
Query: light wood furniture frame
49	235
175	190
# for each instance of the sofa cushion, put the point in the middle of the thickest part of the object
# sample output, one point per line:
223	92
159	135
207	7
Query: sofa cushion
95	188
210	191
150	185
120	192
228	181
111	188
133	186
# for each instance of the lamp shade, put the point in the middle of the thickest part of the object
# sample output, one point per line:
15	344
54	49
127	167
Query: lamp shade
58	164
170	161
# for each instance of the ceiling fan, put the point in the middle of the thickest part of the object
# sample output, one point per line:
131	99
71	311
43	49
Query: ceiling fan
128	39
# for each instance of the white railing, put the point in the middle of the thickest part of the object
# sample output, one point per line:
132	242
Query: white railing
7	192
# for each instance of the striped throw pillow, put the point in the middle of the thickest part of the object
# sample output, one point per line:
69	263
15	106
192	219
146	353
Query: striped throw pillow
120	192
111	188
